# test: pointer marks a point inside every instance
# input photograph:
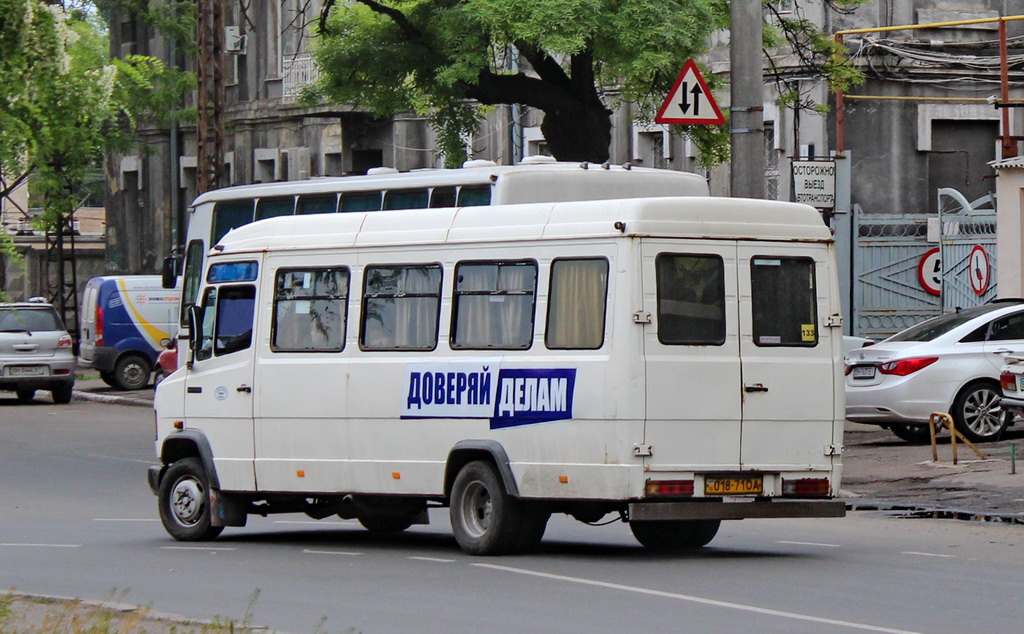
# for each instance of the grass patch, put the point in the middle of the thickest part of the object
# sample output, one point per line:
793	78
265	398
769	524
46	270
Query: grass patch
26	614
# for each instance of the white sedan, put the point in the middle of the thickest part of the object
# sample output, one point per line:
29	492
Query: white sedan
949	364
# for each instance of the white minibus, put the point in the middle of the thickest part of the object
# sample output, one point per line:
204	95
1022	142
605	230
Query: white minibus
478	183
673	361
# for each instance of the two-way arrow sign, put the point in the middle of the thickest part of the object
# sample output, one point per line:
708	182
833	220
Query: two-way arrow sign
690	101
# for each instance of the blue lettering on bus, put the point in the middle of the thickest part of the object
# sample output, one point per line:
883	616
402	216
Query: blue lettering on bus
448	388
530	396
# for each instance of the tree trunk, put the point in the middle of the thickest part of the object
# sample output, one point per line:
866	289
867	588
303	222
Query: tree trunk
581	133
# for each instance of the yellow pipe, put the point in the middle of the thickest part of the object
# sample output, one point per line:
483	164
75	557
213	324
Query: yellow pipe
893	98
933	25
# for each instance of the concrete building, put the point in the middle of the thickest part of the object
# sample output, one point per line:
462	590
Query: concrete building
918	134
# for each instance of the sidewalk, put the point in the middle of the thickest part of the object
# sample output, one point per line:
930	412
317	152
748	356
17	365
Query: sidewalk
880	471
90	389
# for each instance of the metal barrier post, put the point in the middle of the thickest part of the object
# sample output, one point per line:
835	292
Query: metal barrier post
939	417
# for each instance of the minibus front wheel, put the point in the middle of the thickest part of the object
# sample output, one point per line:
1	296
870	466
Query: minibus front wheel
184	498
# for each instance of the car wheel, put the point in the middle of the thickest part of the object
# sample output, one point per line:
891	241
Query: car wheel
485	519
914	434
131	372
62	393
184	498
108	378
25	394
976	412
675	535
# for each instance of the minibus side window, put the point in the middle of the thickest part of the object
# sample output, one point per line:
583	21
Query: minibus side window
235	308
493	305
274	207
691	299
193	276
784	302
205	348
401	307
577	303
310	310
230	215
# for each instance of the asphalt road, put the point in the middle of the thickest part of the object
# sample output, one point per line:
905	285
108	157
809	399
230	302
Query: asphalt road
78	520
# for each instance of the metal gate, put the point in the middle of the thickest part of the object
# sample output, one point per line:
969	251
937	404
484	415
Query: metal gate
893	286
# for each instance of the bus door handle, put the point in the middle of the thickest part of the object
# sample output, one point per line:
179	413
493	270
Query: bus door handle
757	387
244	388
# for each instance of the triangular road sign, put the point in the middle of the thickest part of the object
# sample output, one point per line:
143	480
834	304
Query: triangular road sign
690	101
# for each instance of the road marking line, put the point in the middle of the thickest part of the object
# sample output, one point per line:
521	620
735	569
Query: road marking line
124	519
811	544
695	599
911	552
211	548
437	559
330	552
317	522
42	545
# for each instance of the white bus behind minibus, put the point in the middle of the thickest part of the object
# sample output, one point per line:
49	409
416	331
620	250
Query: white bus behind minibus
478	183
673	361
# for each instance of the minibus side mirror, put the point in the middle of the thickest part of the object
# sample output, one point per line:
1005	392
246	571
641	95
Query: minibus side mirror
195	332
170	272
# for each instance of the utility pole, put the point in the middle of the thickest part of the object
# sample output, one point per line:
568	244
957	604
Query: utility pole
747	97
210	96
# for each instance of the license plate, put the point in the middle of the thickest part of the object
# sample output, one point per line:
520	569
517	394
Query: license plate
863	371
734	485
26	370
1020	383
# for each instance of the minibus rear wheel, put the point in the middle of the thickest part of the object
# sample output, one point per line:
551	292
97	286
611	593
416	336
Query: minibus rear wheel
184	498
485	519
675	535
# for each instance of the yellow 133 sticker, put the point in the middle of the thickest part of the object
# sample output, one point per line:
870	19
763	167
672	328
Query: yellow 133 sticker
807	332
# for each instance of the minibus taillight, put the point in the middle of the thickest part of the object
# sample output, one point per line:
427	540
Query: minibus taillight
903	367
669	487
1008	381
806	488
97	327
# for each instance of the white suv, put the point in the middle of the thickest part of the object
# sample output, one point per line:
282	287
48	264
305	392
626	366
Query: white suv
35	351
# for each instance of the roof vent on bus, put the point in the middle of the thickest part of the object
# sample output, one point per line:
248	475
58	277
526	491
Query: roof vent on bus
538	159
377	171
479	163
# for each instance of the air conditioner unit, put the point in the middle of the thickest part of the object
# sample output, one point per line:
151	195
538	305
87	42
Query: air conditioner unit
234	40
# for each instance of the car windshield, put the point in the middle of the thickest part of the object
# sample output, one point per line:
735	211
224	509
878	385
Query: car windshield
16	319
928	330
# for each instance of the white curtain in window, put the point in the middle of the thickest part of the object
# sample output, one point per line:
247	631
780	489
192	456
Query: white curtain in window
576	304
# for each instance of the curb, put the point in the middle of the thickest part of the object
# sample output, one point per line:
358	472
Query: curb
113	400
912	511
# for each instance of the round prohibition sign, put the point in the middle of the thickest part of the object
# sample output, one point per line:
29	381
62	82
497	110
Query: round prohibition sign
929	271
978	270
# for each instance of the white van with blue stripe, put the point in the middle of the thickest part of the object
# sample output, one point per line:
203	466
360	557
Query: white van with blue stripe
125	319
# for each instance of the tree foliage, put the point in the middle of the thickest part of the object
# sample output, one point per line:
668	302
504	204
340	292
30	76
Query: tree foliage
63	101
574	60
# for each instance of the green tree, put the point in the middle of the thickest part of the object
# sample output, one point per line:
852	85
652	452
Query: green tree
63	101
446	58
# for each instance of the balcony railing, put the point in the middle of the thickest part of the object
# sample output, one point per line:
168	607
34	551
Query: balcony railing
299	71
